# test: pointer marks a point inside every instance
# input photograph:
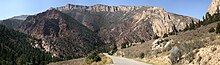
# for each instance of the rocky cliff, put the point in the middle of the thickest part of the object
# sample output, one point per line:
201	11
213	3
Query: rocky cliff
98	8
214	7
61	35
127	23
85	28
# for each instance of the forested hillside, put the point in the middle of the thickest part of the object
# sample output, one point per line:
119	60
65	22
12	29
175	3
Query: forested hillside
16	49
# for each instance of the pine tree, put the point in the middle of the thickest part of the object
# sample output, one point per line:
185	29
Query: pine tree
218	28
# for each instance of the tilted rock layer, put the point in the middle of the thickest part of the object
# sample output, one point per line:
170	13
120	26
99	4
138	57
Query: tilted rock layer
127	23
214	7
61	35
98	8
85	28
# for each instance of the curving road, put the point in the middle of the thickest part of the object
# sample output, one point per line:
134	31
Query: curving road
124	61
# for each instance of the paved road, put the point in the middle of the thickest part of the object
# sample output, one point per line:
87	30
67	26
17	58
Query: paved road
124	61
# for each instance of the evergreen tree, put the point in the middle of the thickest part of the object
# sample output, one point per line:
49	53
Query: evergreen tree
218	28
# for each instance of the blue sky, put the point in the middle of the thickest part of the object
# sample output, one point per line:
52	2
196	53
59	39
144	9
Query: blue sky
193	8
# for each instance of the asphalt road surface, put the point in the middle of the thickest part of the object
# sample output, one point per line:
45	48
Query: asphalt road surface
124	61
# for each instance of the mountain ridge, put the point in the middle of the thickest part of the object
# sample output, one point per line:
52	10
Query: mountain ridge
114	23
99	8
61	35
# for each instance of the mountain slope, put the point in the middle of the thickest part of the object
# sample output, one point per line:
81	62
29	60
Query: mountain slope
18	49
11	23
127	23
193	47
62	36
14	22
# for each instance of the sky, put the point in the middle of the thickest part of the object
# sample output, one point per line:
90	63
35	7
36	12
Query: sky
193	8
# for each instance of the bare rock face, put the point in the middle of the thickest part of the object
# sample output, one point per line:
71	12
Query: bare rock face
98	8
127	23
21	17
72	31
61	35
214	7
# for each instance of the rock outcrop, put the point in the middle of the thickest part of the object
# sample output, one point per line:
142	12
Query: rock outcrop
162	43
214	7
127	23
84	28
98	8
21	17
61	35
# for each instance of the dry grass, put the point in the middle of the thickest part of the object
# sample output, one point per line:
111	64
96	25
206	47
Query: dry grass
70	62
104	60
135	51
187	41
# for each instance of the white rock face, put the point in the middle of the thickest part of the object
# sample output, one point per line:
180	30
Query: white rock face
46	46
22	17
214	6
98	8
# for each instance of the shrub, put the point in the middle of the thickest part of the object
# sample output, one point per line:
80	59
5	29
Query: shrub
113	50
141	55
165	35
155	36
142	41
190	56
211	18
172	33
93	57
124	45
186	28
211	30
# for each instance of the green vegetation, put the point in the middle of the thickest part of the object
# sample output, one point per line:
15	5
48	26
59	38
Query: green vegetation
218	28
113	50
11	23
124	45
211	30
186	49
211	19
93	57
192	26
208	19
155	36
172	33
15	49
141	55
142	41
165	35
